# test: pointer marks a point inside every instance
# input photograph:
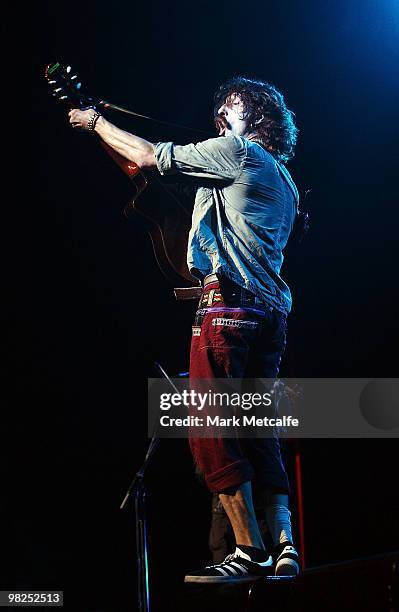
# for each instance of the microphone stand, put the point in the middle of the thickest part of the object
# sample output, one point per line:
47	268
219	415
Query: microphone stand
138	490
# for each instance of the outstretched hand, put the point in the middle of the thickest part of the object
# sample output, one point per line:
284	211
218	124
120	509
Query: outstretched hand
79	119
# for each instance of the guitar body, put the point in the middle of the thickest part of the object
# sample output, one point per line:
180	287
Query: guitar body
164	208
167	218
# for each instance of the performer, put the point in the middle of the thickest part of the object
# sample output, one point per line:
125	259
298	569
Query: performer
244	212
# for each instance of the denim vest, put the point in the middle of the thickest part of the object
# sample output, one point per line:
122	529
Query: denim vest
243	214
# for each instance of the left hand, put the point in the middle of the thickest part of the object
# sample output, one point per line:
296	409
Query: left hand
80	118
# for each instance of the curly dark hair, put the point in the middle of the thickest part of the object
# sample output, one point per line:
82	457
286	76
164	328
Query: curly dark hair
266	112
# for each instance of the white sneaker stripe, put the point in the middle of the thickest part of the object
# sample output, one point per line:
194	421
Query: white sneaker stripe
221	570
239	566
231	569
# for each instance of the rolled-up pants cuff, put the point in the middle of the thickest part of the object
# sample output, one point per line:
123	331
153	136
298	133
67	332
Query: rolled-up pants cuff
231	475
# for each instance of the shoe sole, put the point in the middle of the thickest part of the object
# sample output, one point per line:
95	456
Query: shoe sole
221	579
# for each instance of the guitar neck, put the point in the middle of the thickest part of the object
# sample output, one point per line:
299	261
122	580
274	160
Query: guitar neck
67	89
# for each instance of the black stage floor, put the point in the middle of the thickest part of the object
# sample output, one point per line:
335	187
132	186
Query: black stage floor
361	585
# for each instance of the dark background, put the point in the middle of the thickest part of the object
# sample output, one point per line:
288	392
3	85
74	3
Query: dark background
94	310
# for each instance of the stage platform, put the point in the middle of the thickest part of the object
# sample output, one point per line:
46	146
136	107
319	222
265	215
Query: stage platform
361	585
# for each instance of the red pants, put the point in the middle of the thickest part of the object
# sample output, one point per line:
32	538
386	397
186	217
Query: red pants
250	348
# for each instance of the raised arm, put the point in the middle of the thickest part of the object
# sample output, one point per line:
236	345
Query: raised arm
128	145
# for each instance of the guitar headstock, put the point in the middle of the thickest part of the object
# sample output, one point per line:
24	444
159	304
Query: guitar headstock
66	87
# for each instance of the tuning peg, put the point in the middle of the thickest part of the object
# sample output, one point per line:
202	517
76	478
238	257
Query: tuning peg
78	85
68	69
75	76
52	82
64	98
58	89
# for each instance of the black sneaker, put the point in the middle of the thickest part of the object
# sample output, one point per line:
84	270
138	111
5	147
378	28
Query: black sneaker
286	559
236	567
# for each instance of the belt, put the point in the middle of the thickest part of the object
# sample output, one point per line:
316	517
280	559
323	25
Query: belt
233	293
193	293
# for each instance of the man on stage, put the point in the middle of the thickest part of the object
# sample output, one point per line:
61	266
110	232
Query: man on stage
244	211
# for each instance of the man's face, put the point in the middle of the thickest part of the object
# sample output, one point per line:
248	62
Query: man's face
231	115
